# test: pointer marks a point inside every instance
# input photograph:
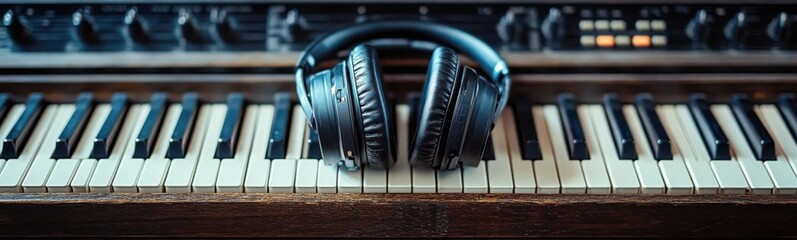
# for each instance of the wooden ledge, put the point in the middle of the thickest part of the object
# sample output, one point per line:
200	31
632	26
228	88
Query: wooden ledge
396	215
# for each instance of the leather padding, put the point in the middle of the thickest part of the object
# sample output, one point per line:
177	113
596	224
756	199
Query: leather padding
437	93
376	128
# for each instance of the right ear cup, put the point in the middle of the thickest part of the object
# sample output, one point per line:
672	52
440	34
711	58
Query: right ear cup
434	108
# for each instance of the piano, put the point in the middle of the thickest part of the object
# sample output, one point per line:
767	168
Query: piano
642	118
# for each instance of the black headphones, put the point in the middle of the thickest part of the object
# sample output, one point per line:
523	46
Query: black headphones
347	106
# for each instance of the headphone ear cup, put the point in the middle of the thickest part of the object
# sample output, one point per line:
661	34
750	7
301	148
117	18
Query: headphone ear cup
441	79
377	129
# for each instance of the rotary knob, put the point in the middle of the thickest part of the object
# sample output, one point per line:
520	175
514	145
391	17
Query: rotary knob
736	29
553	27
781	29
188	27
135	26
85	27
16	28
699	28
225	26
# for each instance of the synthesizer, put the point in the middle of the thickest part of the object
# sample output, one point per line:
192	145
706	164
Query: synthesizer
173	118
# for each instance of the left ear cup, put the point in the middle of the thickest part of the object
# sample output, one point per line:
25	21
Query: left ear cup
437	94
366	77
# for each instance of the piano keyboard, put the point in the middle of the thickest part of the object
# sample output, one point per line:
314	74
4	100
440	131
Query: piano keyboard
563	148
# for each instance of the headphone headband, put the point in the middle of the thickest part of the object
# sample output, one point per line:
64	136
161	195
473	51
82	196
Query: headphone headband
325	47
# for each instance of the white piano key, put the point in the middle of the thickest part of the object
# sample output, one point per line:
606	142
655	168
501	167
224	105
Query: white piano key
15	171
233	171
82	175
785	148
647	167
423	180
306	169
259	167
207	169
757	176
283	171
105	169
399	177
306	175
545	169
727	172
594	168
621	172
182	170
570	175
499	171
474	179
64	171
522	170
327	178
129	166
699	169
374	180
153	173
42	164
449	181
672	172
350	181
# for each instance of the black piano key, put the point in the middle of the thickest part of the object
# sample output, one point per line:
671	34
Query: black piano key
526	133
225	147
623	140
787	106
181	137
657	136
414	101
16	139
717	144
145	141
576	142
67	141
103	143
489	153
278	138
757	136
5	105
313	145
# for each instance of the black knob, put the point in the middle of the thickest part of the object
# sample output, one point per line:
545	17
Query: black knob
225	26
506	27
699	28
736	29
17	29
135	26
85	27
781	30
553	27
188	26
293	26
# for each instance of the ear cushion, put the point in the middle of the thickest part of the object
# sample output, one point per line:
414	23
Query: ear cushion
367	78
437	93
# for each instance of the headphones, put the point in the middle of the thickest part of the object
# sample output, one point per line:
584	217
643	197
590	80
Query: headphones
346	104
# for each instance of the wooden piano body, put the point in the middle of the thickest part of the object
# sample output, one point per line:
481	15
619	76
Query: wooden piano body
670	75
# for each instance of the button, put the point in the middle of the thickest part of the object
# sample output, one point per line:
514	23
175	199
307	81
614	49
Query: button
658	25
605	41
587	41
641	41
602	25
642	25
617	25
586	25
622	41
659	41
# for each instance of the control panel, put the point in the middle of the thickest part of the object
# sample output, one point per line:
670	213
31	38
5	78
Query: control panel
289	27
